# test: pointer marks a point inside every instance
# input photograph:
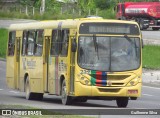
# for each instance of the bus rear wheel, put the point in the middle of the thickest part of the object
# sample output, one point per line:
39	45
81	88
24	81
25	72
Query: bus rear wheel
29	94
39	96
122	101
66	100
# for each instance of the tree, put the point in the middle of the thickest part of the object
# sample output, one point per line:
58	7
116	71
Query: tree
28	2
86	5
105	4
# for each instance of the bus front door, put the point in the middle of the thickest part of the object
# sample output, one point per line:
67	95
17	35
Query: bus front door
12	73
46	62
17	63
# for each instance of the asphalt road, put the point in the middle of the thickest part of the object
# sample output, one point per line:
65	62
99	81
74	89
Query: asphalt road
149	100
150	34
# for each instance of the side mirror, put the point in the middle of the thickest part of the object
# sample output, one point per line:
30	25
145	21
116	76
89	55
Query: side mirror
74	45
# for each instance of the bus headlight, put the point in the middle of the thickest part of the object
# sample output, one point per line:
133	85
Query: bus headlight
134	82
84	81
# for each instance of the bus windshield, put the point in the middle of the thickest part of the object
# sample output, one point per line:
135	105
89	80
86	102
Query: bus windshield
109	53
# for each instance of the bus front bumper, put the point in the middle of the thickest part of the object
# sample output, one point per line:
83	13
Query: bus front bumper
93	91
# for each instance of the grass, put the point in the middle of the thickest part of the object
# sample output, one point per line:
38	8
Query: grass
44	111
151	57
151	53
37	16
3	42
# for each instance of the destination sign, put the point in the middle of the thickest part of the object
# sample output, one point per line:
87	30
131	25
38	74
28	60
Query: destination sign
109	28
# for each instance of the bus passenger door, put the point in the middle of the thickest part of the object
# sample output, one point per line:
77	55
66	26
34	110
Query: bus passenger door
46	62
72	66
17	63
13	58
10	66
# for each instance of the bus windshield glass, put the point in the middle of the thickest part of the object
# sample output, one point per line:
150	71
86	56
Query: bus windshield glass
109	53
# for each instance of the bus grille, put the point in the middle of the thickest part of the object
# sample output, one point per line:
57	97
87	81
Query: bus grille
103	79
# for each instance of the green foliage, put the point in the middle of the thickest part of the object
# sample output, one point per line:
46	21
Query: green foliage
3	42
28	2
151	57
86	5
105	4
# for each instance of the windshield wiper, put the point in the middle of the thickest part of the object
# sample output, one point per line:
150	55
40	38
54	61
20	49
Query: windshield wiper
95	44
133	43
129	40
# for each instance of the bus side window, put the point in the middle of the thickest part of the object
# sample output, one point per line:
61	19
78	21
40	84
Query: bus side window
11	43
39	43
24	42
64	42
31	43
54	43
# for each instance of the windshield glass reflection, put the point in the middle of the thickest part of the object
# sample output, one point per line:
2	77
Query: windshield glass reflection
109	53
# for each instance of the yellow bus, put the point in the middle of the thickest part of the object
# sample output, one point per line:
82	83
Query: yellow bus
77	59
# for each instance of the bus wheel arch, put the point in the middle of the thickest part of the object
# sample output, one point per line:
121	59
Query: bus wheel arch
25	78
31	95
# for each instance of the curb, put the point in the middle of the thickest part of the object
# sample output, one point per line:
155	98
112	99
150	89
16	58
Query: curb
2	59
151	42
151	84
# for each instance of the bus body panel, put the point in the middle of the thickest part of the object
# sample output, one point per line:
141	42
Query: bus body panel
10	73
35	73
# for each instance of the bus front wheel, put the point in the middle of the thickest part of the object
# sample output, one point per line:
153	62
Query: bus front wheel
66	100
122	101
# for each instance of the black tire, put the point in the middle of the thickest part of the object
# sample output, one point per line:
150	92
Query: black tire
141	24
66	100
39	96
122	101
83	100
29	95
133	98
155	28
80	99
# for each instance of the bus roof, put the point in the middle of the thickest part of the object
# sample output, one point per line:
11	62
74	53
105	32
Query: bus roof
54	24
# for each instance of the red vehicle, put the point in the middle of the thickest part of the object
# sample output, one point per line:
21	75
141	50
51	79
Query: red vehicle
147	14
